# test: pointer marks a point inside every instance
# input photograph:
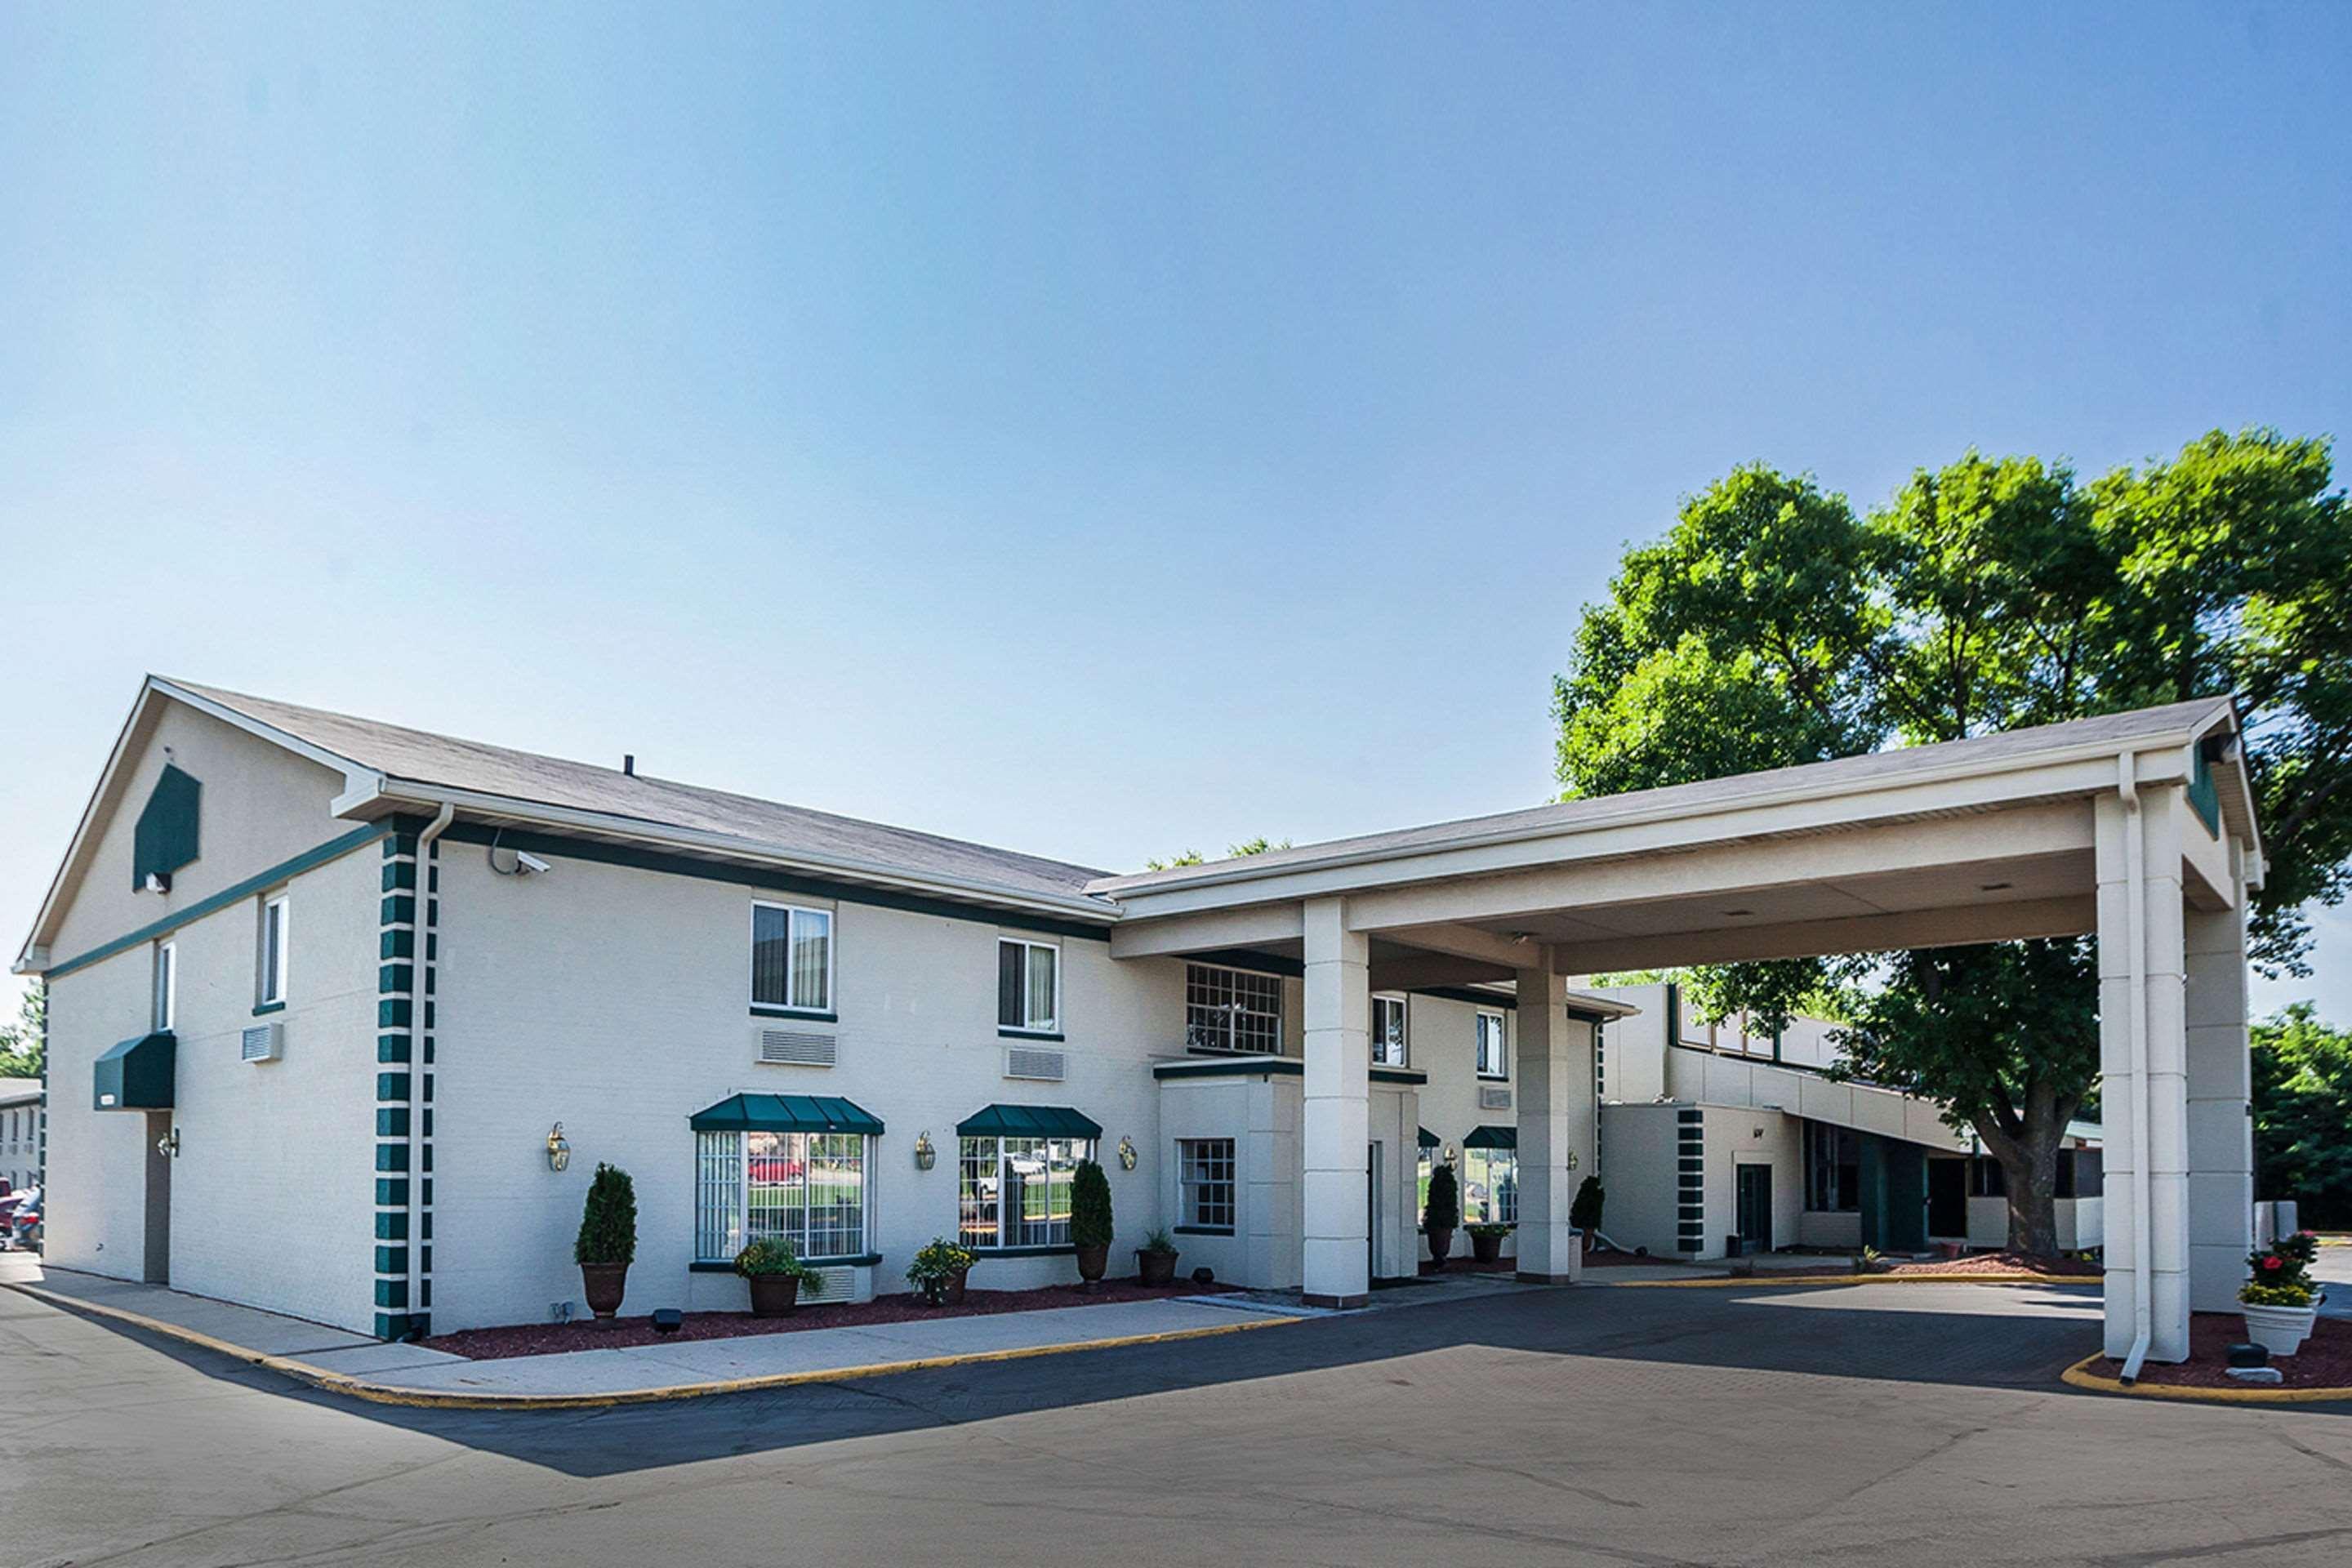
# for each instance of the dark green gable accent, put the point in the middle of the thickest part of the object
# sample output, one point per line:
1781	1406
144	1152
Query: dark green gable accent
767	877
2204	793
1255	962
1492	1136
1029	1121
136	1075
786	1113
1427	1139
164	837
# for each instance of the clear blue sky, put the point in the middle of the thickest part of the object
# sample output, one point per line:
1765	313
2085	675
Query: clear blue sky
1097	429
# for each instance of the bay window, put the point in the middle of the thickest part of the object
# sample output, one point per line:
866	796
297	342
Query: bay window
804	1188
1490	1186
1015	1191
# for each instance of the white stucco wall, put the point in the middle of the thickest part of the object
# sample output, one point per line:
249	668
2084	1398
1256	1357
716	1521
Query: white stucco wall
1639	1152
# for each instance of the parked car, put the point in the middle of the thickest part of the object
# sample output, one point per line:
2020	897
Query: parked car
20	1220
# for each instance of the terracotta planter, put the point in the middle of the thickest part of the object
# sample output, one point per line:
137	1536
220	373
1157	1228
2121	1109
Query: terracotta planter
1485	1248
1156	1267
773	1295
1441	1246
604	1284
1092	1261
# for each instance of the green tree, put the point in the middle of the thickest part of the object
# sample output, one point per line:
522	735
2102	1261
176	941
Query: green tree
2303	1115
24	1044
1257	846
1773	625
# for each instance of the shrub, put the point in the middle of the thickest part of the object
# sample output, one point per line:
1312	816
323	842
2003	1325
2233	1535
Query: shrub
1158	1241
772	1257
1491	1230
608	1220
1443	1209
1584	1214
1090	1221
939	1262
2255	1293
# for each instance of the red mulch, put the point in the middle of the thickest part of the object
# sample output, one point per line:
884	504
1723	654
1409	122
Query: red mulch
1467	1265
1961	1268
541	1339
2324	1362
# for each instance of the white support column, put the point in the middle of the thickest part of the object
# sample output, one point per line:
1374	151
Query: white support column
1338	1050
1554	1084
2151	926
2220	1088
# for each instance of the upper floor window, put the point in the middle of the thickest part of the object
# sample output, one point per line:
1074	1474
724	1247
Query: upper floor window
167	984
272	976
1388	1031
1232	1009
1028	985
1493	1061
791	958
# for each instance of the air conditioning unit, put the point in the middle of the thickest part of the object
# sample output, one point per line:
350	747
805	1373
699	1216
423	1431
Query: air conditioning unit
1036	1063
798	1048
262	1043
1494	1098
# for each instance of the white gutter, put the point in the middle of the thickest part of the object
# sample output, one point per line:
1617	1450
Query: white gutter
2136	923
423	927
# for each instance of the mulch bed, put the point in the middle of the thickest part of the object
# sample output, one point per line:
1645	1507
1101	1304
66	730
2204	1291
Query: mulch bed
544	1339
2324	1362
1472	1265
1953	1267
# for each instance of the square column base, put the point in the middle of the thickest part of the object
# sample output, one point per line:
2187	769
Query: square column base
1335	1303
1526	1278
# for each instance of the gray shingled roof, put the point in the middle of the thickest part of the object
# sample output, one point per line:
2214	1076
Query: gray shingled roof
422	757
1888	766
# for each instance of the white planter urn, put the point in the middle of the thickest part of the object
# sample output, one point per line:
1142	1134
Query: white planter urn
2278	1329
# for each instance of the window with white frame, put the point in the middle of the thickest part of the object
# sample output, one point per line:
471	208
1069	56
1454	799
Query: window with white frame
167	984
1388	1031
1494	1059
804	1188
1490	1186
1204	1184
1232	1009
1015	1191
1028	985
791	958
270	980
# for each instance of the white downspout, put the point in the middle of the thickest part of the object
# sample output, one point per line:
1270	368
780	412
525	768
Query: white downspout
423	927
2143	1187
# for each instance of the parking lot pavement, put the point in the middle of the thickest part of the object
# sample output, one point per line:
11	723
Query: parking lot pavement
1877	1423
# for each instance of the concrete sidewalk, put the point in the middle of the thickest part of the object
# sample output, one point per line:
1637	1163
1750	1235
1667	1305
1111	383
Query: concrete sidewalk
353	1363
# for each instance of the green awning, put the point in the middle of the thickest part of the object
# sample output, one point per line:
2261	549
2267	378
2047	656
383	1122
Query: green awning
786	1113
1428	1138
1028	1122
1492	1138
137	1074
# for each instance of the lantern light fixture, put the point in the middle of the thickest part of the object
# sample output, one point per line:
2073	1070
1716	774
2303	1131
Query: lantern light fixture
1126	1152
558	1151
925	1156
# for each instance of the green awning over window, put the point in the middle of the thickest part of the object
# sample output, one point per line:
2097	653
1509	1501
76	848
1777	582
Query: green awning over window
1028	1122
1428	1138
136	1075
786	1113
1492	1138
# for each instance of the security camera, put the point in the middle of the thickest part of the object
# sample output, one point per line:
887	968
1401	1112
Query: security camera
527	864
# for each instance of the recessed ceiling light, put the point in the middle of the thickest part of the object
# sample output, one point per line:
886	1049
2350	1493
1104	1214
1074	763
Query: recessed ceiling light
1996	886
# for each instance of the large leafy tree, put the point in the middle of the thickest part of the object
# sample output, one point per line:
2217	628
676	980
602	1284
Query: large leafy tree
23	1042
2303	1114
1775	625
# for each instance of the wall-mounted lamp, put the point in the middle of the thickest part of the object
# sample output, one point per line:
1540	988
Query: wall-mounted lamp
925	1156
559	1152
1126	1152
1572	1159
1449	1154
168	1145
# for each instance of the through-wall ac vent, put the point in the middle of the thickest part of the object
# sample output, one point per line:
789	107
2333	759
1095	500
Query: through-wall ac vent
798	1048
1031	1062
1493	1099
262	1043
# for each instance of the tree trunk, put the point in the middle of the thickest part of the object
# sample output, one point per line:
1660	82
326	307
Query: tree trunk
2029	1169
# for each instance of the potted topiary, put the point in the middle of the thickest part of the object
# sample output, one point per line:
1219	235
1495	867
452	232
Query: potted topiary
2277	1301
607	1243
1487	1243
1584	1210
1090	1221
938	1273
777	1276
1155	1261
1441	1214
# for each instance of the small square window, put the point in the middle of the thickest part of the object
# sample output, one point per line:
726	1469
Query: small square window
1494	1059
1028	985
1388	1031
1205	1183
791	958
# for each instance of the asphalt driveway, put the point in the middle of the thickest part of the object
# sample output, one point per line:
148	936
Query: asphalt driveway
1887	1424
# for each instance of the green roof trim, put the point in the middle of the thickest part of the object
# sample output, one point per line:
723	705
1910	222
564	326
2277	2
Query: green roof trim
1029	1121
786	1113
1492	1136
164	840
137	1074
1428	1138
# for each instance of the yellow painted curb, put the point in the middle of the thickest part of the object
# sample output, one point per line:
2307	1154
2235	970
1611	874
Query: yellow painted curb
386	1393
1751	1280
2079	1375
